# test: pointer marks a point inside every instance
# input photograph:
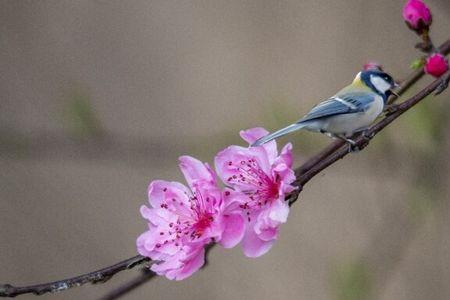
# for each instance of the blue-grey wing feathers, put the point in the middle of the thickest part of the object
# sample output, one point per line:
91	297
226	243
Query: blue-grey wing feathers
348	103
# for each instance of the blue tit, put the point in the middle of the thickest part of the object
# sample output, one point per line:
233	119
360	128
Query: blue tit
353	109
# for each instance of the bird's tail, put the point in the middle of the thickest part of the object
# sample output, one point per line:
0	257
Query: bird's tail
278	133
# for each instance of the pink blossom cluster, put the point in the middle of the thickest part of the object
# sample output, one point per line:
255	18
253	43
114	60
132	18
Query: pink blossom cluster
249	210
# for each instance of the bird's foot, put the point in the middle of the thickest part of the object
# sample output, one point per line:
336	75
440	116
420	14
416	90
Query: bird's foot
367	135
352	145
390	109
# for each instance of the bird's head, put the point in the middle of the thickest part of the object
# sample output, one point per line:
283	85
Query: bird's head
379	82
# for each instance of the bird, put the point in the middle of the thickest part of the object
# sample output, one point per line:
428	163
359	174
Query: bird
351	110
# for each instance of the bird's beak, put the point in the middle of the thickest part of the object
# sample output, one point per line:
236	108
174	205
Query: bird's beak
394	93
396	85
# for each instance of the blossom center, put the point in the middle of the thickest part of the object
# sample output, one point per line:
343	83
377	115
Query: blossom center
261	188
191	225
201	225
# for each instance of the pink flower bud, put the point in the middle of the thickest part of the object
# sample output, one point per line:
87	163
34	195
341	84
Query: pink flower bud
436	65
372	65
417	15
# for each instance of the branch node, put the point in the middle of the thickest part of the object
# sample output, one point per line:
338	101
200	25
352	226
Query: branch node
444	84
425	47
100	278
5	290
293	196
57	287
133	264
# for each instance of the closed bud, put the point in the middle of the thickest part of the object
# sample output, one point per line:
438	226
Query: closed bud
436	65
417	16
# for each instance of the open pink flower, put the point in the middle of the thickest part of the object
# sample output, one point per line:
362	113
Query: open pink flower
436	65
182	221
261	177
417	15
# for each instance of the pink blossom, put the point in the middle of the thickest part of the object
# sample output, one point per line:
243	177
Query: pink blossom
436	65
183	220
417	15
261	178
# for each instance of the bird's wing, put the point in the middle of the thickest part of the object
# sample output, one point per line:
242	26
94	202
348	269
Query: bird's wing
344	104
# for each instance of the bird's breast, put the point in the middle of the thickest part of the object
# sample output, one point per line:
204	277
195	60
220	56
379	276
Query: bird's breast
375	109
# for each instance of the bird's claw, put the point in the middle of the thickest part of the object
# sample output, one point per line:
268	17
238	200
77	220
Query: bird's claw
367	135
425	47
390	109
353	148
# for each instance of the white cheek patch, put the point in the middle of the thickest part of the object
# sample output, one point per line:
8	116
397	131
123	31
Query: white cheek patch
380	84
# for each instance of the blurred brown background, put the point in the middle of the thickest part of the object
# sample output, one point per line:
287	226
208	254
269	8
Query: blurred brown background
100	97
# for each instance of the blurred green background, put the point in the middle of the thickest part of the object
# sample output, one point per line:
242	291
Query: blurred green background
100	97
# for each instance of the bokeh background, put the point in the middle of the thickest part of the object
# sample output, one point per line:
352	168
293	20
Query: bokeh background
100	97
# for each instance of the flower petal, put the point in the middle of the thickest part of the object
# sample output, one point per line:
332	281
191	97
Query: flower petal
269	234
194	171
192	264
233	201
159	191
168	266
231	162
142	243
253	134
279	211
253	246
234	228
286	155
283	172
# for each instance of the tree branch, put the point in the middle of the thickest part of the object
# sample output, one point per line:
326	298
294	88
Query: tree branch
304	174
99	276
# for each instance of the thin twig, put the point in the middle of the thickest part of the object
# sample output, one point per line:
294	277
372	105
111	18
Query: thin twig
99	276
145	276
304	173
